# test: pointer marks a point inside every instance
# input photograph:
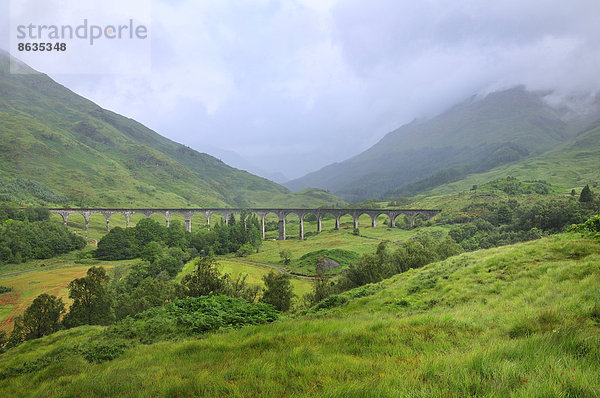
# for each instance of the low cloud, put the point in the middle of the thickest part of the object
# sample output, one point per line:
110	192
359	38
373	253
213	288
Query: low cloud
295	85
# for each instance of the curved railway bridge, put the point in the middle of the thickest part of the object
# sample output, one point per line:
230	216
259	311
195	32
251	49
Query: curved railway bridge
261	213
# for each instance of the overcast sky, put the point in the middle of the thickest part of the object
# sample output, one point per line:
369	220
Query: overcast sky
294	85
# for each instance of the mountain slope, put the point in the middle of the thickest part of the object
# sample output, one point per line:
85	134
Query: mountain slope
477	135
571	165
70	150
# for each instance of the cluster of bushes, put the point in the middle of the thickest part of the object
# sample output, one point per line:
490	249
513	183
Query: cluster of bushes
373	268
122	244
230	237
513	186
23	240
481	234
590	227
10	211
382	264
242	235
27	233
207	280
507	222
191	316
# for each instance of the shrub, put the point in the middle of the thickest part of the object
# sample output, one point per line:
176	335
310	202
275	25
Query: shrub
245	250
278	291
239	288
331	302
206	279
286	256
101	352
5	289
591	226
191	316
321	289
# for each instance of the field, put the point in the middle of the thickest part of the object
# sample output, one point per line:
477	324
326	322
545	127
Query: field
29	284
34	277
520	320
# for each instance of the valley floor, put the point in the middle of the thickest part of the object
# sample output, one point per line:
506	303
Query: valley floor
520	320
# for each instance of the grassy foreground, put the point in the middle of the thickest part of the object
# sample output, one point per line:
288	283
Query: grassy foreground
521	320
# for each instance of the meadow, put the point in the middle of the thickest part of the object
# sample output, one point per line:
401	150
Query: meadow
28	285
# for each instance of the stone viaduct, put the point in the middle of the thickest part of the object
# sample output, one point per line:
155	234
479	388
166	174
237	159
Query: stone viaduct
261	213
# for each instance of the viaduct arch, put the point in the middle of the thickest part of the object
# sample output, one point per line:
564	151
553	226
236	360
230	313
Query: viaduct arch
261	213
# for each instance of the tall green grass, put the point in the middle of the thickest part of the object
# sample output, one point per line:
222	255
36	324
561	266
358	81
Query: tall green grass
520	320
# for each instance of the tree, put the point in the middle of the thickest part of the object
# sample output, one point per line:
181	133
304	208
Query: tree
239	288
171	265
176	236
321	289
92	303
148	230
118	244
278	291
286	256
42	317
504	214
245	250
254	236
17	335
231	220
586	195
151	252
206	279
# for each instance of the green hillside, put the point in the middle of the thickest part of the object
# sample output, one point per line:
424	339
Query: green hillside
57	147
473	137
572	165
520	320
